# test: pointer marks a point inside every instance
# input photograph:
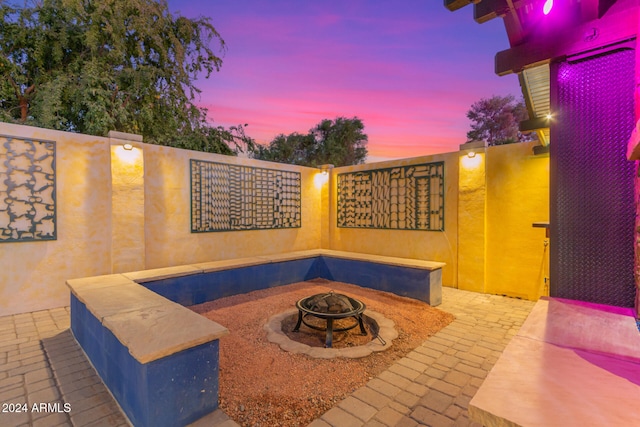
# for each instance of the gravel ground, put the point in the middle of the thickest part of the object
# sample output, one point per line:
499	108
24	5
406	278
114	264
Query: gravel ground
262	385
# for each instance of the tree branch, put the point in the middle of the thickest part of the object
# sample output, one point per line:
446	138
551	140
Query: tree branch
15	87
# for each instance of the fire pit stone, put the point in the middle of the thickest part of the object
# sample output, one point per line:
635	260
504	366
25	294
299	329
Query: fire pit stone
386	326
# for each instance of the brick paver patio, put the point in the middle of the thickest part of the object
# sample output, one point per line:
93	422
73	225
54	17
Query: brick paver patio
40	362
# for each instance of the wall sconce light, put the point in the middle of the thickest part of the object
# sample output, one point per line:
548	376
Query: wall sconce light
325	169
323	177
127	153
469	158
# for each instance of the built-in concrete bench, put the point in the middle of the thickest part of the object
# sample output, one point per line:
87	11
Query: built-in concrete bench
198	283
571	364
160	360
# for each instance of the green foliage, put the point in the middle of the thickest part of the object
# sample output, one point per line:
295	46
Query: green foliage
496	120
339	142
293	149
94	66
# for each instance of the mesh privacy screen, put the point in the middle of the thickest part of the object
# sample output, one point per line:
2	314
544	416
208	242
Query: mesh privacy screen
592	182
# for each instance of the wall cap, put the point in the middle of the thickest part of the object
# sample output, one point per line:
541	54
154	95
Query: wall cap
473	145
123	135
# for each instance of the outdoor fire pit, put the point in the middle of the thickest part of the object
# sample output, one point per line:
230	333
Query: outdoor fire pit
330	306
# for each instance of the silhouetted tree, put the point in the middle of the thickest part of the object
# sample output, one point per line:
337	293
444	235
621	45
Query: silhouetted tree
339	142
496	120
96	66
293	148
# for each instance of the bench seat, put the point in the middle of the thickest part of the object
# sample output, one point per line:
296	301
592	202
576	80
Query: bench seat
160	360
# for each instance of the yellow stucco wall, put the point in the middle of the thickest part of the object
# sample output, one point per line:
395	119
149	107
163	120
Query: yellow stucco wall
517	260
33	274
129	210
117	213
472	221
323	181
127	207
169	240
425	245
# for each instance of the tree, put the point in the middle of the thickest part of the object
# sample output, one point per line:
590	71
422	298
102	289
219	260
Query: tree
293	148
95	66
339	142
496	120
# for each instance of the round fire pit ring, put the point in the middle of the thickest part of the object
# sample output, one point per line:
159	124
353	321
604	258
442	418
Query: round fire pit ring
384	329
330	306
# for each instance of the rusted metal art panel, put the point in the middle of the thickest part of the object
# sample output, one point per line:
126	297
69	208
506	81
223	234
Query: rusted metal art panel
399	198
226	197
27	189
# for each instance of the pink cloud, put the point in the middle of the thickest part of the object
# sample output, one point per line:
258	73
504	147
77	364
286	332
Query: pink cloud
409	70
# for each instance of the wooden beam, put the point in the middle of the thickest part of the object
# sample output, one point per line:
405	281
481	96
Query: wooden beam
531	125
456	4
612	28
487	10
512	24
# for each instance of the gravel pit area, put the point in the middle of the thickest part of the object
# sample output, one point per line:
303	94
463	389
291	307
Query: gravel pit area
262	385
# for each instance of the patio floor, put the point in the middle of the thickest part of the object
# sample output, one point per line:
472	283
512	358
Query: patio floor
40	362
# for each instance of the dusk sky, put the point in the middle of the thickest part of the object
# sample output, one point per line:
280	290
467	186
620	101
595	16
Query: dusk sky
410	69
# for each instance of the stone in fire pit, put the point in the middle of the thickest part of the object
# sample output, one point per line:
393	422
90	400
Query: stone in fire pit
330	306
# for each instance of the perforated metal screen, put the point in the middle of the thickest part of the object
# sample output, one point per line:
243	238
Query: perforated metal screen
226	197
592	189
27	189
398	198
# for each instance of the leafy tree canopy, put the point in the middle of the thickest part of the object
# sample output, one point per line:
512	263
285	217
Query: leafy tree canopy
93	66
339	142
496	120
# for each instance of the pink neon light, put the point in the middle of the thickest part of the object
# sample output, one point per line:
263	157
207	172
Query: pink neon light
547	7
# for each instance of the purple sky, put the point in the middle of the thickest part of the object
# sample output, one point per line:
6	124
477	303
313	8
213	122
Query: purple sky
410	69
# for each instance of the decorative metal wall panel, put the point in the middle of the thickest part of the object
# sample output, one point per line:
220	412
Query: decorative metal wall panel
228	197
592	183
399	198
27	189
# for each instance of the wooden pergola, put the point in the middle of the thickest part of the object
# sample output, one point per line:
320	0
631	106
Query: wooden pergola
573	27
585	97
579	67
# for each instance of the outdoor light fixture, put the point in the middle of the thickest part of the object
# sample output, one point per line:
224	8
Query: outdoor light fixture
325	169
469	153
125	153
549	116
548	4
323	177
